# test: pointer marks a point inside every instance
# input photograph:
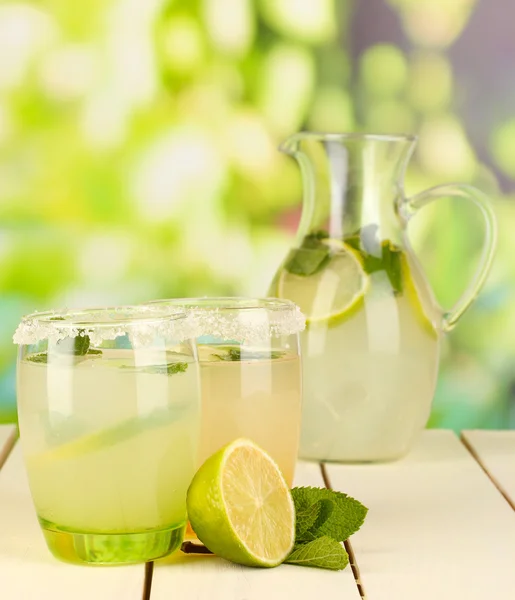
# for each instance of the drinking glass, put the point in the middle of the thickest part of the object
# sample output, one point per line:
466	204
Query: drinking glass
250	373
109	416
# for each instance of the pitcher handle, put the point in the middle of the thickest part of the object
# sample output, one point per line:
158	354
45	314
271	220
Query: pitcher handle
467	192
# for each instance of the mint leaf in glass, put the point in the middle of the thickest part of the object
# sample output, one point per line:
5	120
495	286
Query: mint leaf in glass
78	345
237	354
42	357
168	369
323	552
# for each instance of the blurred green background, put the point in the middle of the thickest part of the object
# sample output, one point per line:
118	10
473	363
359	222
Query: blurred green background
138	154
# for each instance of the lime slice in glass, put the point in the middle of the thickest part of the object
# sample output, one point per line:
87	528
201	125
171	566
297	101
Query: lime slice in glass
108	437
240	507
334	292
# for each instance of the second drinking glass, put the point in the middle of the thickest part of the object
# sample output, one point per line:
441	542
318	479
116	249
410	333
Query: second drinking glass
250	373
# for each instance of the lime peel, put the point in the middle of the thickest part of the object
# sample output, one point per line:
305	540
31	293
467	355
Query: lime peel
332	294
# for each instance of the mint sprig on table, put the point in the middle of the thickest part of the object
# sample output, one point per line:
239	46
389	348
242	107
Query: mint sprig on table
324	519
323	552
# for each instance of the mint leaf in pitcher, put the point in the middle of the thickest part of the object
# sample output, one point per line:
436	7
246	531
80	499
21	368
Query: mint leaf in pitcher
392	265
378	256
311	257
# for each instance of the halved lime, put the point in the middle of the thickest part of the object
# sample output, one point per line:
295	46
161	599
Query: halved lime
240	507
333	292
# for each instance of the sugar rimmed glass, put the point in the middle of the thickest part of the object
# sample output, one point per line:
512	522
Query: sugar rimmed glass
109	415
250	368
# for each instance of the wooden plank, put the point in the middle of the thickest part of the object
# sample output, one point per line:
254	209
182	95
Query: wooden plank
27	569
436	528
495	452
7	438
211	578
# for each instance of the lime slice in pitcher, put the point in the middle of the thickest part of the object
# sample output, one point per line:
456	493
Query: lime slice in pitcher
333	293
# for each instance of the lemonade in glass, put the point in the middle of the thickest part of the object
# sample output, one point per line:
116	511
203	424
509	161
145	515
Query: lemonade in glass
250	374
109	414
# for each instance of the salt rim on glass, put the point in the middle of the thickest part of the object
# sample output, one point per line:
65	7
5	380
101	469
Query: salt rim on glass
242	319
140	323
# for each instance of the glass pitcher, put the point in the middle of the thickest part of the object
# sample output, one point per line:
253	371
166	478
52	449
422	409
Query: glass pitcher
371	345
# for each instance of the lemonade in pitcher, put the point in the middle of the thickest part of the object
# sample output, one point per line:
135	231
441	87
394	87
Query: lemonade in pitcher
370	349
371	345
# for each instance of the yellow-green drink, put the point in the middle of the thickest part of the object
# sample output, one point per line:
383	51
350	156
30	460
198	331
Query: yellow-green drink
250	370
370	350
110	440
257	396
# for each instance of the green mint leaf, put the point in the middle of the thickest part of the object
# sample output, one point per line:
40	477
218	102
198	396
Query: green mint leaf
365	241
311	257
78	345
392	265
306	261
178	367
42	357
169	369
236	354
324	553
346	517
305	519
325	510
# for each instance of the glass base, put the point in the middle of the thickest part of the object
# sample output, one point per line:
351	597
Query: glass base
111	548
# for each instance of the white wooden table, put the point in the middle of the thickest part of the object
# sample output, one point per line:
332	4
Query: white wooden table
441	526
